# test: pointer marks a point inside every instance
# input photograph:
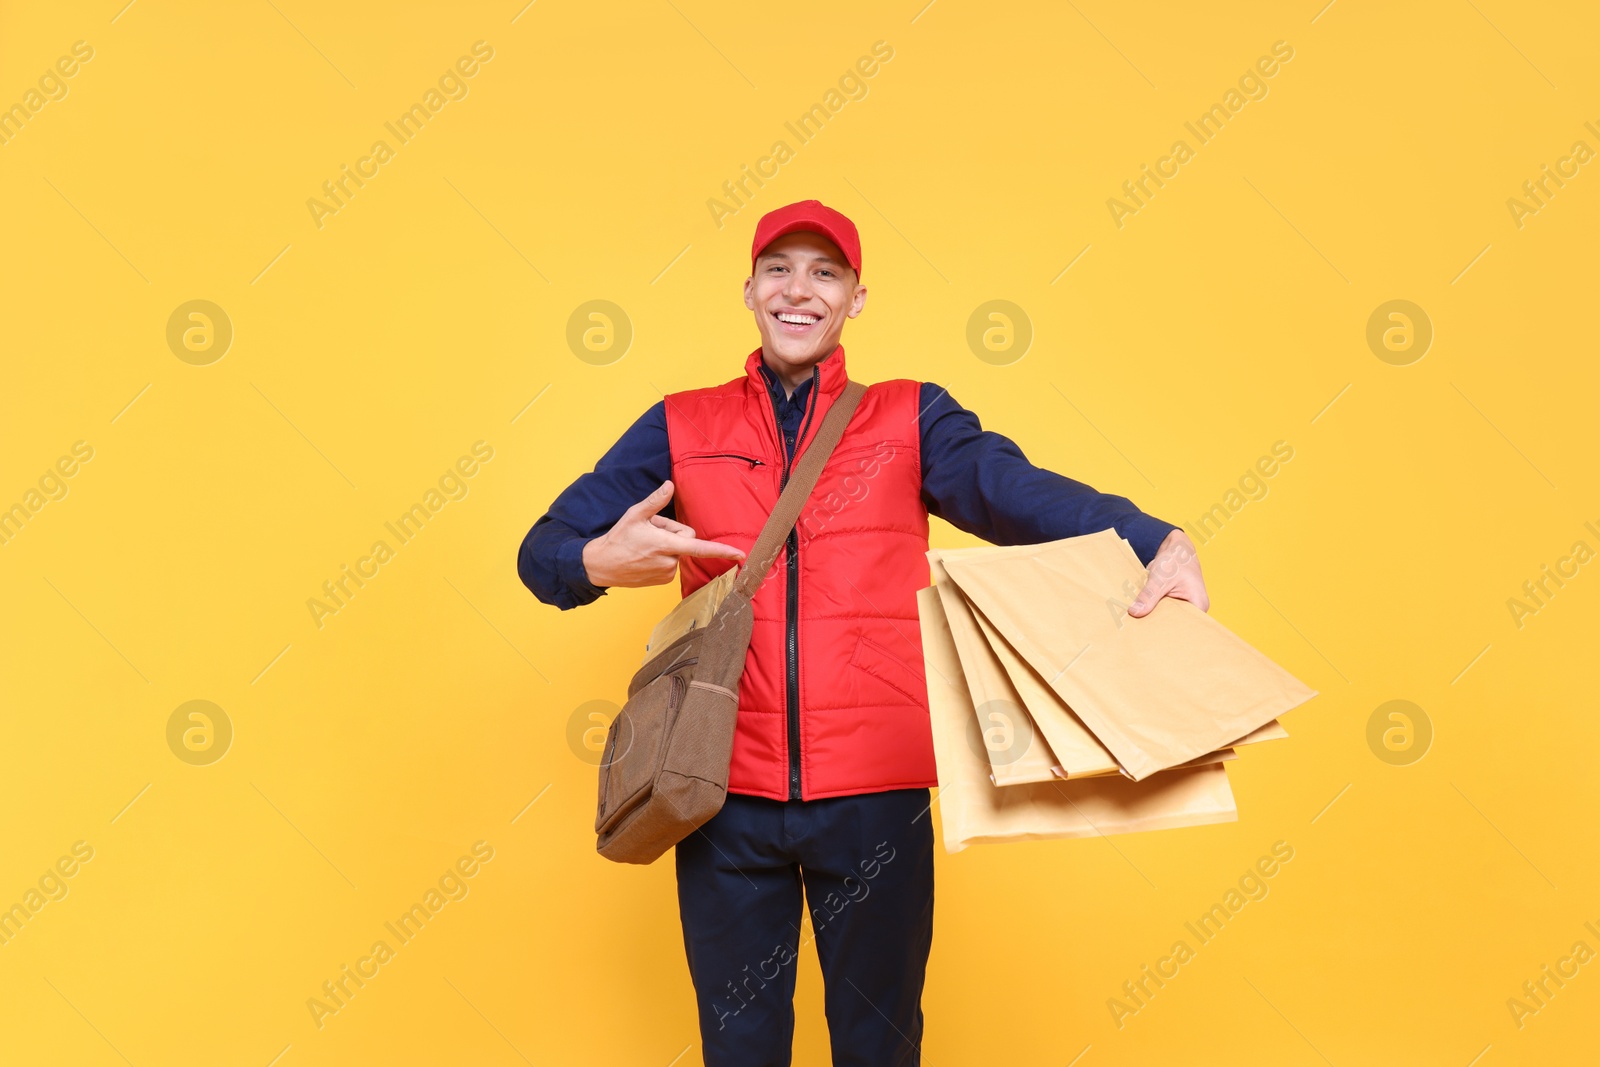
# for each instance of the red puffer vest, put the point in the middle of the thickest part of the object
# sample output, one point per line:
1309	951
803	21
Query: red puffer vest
833	700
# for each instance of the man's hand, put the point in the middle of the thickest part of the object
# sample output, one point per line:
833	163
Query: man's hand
643	547
1174	572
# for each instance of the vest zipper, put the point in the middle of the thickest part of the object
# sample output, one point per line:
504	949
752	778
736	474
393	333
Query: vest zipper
792	603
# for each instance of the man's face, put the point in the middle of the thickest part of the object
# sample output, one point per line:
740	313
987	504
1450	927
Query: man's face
802	292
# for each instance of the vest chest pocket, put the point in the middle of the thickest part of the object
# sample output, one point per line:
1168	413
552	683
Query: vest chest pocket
854	473
717	490
742	459
867	460
871	484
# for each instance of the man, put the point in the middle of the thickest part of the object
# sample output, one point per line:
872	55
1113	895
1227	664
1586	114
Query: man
828	788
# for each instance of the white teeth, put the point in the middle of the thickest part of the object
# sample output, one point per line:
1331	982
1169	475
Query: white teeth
798	320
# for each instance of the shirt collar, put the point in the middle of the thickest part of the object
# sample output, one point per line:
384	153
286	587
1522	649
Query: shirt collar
775	387
831	377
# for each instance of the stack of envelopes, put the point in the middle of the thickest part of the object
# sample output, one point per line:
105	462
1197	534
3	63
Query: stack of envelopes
1058	714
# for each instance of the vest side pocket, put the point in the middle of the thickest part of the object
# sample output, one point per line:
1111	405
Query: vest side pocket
870	657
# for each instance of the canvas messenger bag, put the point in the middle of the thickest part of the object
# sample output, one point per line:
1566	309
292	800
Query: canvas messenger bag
664	767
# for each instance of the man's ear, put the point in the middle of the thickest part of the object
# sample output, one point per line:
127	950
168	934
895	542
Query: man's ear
749	286
858	302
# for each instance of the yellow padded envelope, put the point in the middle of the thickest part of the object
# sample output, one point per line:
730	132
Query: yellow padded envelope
975	811
1073	749
1158	691
1090	761
1018	751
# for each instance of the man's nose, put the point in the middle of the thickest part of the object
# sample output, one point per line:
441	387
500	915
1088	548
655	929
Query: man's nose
798	285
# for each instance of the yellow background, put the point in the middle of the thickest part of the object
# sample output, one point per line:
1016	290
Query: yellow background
426	315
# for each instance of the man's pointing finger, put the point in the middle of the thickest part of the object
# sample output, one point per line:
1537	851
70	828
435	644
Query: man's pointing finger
693	546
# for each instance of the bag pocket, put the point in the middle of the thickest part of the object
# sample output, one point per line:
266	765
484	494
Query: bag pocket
634	749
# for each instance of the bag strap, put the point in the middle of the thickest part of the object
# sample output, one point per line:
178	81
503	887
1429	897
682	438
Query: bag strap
802	479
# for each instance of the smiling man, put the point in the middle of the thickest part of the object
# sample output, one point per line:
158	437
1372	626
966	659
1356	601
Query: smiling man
829	785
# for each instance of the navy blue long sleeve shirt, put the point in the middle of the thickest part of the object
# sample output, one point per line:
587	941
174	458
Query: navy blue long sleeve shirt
975	479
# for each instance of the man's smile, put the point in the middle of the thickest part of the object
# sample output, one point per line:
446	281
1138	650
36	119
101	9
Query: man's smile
796	322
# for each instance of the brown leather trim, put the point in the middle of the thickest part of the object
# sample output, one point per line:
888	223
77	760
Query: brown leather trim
724	690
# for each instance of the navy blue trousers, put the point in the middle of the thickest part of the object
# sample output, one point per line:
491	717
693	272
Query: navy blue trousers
865	864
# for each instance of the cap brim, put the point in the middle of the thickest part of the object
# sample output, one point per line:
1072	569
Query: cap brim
808	226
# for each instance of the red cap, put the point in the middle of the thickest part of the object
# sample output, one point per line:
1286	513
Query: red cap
812	216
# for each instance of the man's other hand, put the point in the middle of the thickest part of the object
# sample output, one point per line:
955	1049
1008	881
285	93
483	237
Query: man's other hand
1174	572
642	548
